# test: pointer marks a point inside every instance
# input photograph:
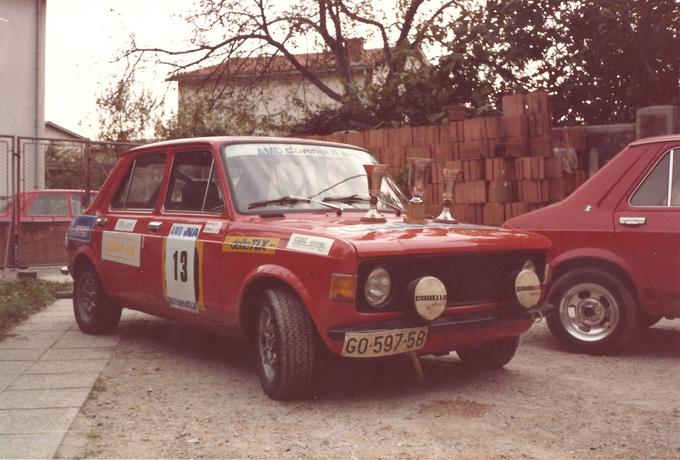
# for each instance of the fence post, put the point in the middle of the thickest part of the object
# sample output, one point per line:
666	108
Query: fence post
88	164
17	197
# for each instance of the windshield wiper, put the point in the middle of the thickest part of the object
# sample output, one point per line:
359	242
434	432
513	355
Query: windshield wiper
349	199
291	200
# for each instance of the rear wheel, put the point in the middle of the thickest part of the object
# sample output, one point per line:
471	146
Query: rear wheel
285	346
490	355
595	312
94	312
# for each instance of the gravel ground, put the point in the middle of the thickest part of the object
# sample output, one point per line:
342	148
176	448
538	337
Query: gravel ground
170	391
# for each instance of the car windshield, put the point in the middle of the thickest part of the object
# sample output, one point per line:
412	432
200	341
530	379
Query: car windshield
272	178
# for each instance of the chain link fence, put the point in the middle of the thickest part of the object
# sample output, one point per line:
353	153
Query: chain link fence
44	183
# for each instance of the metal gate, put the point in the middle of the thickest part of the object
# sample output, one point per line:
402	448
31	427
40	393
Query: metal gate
44	182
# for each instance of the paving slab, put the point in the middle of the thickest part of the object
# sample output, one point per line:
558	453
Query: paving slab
41	445
38	399
52	381
68	354
34	421
26	343
45	325
14	367
18	354
67	366
6	380
76	339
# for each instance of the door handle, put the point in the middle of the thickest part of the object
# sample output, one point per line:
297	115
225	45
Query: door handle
101	221
632	221
154	226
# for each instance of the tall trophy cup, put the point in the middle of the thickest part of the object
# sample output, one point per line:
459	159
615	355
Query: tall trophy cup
375	174
417	172
450	176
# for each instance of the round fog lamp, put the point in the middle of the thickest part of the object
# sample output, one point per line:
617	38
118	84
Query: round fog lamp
377	287
527	288
429	297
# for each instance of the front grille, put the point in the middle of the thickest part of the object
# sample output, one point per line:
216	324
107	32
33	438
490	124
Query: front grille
469	278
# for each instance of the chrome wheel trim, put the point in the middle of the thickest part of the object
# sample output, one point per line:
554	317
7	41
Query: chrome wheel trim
86	300
267	343
589	312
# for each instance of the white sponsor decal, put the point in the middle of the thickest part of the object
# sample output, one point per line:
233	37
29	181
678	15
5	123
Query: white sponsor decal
125	225
123	248
179	273
310	244
212	226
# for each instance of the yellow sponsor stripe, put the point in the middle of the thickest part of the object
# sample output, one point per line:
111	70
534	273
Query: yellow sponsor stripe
250	244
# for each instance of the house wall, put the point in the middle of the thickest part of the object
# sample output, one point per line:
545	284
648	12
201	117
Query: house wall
273	97
22	82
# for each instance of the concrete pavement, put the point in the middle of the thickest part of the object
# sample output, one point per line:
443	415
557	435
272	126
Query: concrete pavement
47	369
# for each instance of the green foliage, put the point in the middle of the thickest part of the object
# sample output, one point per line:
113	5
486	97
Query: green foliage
19	299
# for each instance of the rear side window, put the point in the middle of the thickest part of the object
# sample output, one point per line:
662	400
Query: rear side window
661	187
194	185
140	188
48	205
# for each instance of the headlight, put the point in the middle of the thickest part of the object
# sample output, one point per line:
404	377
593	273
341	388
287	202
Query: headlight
377	287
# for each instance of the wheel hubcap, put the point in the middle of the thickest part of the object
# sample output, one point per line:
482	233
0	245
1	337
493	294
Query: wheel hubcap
86	298
267	343
589	312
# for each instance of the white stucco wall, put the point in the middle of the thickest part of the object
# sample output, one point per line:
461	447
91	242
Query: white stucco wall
22	82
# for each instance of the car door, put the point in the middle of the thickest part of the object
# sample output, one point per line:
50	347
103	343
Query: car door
123	227
181	255
647	225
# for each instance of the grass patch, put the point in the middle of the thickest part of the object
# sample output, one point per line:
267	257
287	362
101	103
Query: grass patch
19	299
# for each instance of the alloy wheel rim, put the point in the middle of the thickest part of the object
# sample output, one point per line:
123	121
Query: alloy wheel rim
87	297
267	344
589	312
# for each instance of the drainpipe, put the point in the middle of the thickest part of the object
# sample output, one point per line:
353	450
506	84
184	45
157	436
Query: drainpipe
37	171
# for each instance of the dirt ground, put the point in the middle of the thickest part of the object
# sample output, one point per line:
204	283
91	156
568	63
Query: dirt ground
170	391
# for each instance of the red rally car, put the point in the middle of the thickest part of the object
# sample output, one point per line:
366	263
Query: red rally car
267	239
616	248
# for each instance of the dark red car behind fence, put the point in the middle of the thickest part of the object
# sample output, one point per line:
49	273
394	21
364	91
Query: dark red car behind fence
44	183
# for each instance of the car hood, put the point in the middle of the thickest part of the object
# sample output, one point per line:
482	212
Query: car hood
397	237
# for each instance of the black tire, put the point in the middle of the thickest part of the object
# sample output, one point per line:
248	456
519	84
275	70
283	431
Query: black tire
649	320
595	312
94	312
285	341
490	355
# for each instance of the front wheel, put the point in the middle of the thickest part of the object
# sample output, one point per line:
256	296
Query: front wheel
490	355
94	312
285	346
595	314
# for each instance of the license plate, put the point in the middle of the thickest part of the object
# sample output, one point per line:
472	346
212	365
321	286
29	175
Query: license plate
383	343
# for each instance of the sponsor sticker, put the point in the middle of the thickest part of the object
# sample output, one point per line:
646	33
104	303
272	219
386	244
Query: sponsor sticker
81	228
186	231
252	244
125	225
212	226
310	244
122	248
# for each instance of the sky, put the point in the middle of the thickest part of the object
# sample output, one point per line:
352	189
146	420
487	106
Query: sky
83	38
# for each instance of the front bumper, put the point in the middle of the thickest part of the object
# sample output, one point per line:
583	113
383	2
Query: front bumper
448	332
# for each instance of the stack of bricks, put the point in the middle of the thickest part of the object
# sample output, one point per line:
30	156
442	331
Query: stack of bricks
507	162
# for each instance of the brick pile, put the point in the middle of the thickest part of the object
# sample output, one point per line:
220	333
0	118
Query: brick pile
508	162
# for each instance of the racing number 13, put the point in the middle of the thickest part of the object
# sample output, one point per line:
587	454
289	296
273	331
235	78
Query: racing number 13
180	258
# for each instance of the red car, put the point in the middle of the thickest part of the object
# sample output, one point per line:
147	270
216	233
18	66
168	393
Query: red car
267	239
46	205
616	248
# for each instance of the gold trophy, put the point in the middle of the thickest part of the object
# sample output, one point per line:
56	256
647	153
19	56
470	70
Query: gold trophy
450	177
417	172
375	174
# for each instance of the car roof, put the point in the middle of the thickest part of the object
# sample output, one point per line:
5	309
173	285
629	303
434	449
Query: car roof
655	139
219	140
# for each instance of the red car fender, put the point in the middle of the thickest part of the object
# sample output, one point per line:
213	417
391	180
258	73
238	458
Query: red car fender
638	277
279	273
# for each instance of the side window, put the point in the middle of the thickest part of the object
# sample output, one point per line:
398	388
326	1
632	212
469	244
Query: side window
194	184
49	205
140	188
76	204
654	189
675	179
